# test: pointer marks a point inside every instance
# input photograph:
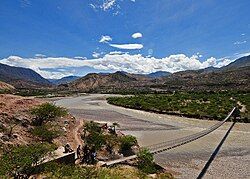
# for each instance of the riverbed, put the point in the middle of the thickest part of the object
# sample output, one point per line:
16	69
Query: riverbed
187	161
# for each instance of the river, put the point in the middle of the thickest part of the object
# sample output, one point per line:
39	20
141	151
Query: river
233	160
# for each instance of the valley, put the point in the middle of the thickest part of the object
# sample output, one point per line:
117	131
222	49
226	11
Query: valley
150	128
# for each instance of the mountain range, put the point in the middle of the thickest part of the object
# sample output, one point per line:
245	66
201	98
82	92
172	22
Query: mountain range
233	76
21	77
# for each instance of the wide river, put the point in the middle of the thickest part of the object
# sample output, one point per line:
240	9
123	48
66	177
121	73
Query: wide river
187	161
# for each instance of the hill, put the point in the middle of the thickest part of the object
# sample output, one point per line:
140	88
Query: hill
241	62
21	77
6	86
64	80
158	74
94	82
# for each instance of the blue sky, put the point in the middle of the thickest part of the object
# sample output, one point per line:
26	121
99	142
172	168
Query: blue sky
68	29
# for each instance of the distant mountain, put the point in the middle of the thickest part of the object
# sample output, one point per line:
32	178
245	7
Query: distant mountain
64	80
241	62
105	82
158	74
21	77
233	79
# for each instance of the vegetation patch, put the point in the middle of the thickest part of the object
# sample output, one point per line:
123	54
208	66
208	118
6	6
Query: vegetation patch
203	105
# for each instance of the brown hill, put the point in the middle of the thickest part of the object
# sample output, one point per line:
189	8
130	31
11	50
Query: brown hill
6	86
105	82
234	79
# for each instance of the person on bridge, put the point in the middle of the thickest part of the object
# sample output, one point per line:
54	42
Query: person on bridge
67	149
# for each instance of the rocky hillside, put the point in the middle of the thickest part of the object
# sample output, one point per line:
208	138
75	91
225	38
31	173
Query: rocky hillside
21	77
237	79
241	62
100	82
16	121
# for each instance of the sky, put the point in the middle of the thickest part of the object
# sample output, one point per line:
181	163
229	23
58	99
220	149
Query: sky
58	38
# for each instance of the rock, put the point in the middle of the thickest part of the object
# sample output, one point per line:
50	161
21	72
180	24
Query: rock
5	138
152	175
64	129
100	163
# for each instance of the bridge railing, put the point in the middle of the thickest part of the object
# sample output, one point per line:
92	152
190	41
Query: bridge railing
191	137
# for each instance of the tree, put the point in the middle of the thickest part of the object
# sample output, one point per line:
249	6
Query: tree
47	112
146	161
93	135
20	160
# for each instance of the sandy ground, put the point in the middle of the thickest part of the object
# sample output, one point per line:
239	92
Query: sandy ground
187	161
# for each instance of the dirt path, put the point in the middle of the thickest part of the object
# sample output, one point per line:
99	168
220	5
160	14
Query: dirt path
76	133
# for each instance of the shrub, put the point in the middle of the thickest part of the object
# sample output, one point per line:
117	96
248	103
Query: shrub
45	134
20	160
93	135
95	140
146	161
47	112
127	142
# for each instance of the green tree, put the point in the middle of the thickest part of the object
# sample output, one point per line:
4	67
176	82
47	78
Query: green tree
20	160
93	135
47	112
146	161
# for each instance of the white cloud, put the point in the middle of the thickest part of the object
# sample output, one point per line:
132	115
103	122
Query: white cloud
49	67
137	35
96	54
240	42
40	55
80	58
223	62
93	6
105	39
116	53
108	5
127	46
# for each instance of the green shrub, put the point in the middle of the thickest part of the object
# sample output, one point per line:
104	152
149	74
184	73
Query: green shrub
47	112
20	160
45	134
146	161
127	142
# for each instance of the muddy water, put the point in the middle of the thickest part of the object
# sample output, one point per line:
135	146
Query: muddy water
149	128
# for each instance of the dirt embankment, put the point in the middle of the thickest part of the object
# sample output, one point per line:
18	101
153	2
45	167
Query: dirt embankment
15	118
